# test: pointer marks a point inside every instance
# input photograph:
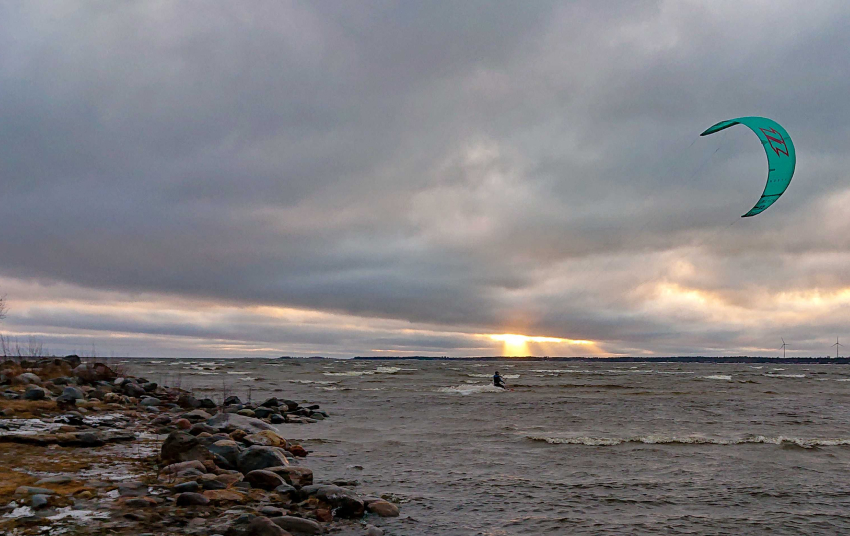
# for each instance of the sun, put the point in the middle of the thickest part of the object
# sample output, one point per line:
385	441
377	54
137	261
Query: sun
518	345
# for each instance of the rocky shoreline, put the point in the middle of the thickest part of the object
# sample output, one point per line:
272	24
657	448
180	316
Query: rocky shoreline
89	450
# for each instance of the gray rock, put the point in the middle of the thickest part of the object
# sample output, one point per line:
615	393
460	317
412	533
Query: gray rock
60	479
345	502
242	484
39	501
264	413
272	511
277	419
132	489
297	525
150	401
254	458
35	393
196	415
214	484
31	490
227	449
260	526
272	402
182	447
200	428
295	475
150	386
208	403
66	402
26	378
73	392
227	422
246	412
287	491
262	479
175	468
134	390
191	499
230	400
187	487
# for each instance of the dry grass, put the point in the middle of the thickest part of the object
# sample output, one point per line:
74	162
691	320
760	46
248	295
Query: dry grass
17	461
28	409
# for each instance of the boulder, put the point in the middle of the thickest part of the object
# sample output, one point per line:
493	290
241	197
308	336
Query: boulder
298	525
254	458
175	468
227	422
208	403
92	373
187	487
73	360
265	413
295	475
197	415
65	402
201	428
382	508
258	526
134	390
73	392
227	449
150	401
345	502
272	402
150	386
192	499
188	401
26	378
35	393
39	501
231	400
245	412
266	438
264	479
182	447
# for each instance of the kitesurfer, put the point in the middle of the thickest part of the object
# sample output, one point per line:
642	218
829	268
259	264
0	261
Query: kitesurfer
498	381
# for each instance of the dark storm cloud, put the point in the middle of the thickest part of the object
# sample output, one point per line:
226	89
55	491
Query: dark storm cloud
520	167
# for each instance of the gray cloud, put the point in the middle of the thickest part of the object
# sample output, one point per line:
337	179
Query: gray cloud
457	165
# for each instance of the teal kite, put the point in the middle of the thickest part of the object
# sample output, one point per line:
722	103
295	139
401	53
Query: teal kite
781	158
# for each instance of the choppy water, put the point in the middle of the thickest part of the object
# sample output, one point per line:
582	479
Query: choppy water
578	448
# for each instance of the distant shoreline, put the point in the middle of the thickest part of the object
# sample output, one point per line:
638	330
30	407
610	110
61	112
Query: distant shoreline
635	359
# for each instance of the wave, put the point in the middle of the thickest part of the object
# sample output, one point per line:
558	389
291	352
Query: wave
772	375
350	373
806	443
718	377
508	376
471	389
320	382
387	370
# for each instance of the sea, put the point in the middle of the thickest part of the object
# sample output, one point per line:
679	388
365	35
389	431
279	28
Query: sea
573	448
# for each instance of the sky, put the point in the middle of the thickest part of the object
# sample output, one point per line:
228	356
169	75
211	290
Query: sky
265	178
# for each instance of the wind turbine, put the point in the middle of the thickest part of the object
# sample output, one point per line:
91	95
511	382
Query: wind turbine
837	344
783	347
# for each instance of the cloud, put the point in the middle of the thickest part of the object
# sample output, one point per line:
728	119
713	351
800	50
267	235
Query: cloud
420	174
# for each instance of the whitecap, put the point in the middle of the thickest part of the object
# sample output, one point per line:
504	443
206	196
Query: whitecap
507	376
772	375
350	373
387	370
718	377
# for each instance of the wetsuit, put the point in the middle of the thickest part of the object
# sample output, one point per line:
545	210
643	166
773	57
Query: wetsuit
497	381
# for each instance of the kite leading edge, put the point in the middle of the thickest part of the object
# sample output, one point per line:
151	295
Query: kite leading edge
781	158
